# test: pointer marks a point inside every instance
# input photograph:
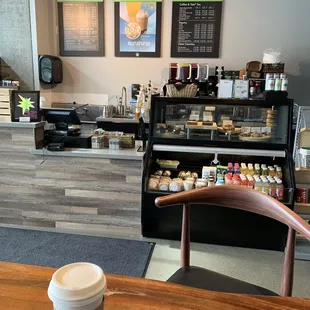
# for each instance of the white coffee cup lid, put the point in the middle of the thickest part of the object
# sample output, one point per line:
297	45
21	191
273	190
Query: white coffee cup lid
77	282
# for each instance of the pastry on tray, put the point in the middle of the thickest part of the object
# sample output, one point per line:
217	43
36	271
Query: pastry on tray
207	123
192	123
177	130
228	127
195	175
255	135
167	173
182	175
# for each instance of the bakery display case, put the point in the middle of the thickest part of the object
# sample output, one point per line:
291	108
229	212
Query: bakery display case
198	142
218	121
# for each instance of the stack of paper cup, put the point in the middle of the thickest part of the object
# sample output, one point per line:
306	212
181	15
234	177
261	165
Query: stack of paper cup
78	286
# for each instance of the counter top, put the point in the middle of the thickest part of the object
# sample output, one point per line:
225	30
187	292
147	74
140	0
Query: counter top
126	154
21	125
120	120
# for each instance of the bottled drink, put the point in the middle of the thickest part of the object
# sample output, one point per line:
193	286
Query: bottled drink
243	180
272	189
220	181
250	181
279	173
236	180
236	168
264	171
258	184
251	170
265	186
272	172
230	168
279	190
257	169
244	169
228	179
138	113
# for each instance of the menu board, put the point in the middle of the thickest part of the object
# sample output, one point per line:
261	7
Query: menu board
81	27
196	28
137	28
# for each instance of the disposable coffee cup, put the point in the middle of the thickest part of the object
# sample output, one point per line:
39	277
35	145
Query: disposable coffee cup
78	286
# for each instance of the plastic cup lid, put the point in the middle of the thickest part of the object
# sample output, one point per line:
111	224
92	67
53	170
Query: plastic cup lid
78	281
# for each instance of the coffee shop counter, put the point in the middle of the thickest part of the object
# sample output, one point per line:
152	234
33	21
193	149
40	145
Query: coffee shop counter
126	154
98	191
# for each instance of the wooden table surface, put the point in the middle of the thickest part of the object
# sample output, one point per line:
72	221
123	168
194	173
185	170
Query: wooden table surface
25	287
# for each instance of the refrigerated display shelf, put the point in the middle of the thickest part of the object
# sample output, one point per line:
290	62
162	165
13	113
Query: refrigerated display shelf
214	224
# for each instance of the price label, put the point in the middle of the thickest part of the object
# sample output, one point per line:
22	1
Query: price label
24	119
266	129
208	118
227	122
255	129
245	129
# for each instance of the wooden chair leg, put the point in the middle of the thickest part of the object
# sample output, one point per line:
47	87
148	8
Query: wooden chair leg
185	240
288	266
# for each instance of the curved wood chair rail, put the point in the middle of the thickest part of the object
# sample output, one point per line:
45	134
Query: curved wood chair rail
243	199
25	288
239	198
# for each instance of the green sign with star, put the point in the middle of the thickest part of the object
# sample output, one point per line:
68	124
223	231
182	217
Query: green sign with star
25	104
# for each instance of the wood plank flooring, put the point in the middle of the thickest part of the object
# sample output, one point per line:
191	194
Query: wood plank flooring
66	192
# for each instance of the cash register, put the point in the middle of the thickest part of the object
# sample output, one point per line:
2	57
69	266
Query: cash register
66	132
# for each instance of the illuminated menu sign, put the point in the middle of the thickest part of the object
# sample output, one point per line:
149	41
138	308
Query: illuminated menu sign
196	27
81	28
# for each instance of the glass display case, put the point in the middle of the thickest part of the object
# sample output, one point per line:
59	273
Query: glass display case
197	142
223	122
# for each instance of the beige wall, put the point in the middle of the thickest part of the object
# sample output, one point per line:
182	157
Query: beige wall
47	38
248	28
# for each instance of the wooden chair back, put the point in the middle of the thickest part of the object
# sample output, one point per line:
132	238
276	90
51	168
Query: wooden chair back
243	199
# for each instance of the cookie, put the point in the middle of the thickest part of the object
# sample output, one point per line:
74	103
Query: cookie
133	31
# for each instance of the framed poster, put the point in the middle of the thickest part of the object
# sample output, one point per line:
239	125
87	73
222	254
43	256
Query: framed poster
138	28
25	104
81	27
196	28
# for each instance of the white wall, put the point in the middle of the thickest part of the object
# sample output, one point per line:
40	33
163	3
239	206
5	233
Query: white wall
248	28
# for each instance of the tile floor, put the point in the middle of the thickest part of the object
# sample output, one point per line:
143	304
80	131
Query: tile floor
259	267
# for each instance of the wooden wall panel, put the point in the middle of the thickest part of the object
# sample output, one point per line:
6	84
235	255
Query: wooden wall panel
66	192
